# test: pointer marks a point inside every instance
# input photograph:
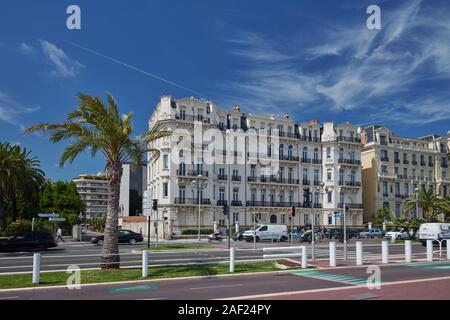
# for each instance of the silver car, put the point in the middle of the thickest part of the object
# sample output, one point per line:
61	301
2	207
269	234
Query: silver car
372	233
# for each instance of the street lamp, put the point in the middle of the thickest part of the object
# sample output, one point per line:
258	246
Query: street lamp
416	191
199	185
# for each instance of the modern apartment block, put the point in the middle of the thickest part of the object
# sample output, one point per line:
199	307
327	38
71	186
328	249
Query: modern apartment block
132	187
267	164
93	190
394	167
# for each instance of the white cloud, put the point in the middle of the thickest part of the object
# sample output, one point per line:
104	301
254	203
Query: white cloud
11	110
62	64
26	48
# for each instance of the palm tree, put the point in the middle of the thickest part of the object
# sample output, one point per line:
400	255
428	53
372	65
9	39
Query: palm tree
428	201
20	175
98	127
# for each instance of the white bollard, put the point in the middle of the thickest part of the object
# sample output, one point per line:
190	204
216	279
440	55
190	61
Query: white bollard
304	258
145	264
332	254
359	253
36	268
448	251
232	259
429	250
408	252
385	251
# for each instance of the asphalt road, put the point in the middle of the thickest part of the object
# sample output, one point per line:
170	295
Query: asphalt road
348	282
87	256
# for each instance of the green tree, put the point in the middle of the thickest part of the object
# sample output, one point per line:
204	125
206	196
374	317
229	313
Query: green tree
96	126
428	201
409	224
20	178
381	216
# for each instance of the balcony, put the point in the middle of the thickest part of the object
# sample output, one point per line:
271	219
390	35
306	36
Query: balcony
273	204
348	139
252	179
191	173
351	205
310	139
288	135
316	161
385	195
222	202
422	163
402	176
431	164
400	196
352	184
192	118
405	161
222	177
288	158
272	179
236	178
444	165
192	201
306	160
317	182
414	163
306	182
385	159
236	203
350	161
397	161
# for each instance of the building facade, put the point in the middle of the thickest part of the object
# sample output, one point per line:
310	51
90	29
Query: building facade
394	168
93	190
260	166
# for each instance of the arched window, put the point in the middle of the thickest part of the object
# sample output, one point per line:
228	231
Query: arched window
290	149
305	153
281	151
273	219
316	154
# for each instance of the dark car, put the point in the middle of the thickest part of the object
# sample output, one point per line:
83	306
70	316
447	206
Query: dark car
238	236
32	240
125	236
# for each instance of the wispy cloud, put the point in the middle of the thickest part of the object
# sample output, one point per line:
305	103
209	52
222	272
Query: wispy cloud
27	49
11	110
63	65
386	72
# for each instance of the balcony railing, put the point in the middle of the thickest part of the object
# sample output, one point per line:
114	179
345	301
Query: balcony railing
430	164
350	161
272	179
385	159
414	163
348	139
236	203
222	202
351	205
191	173
192	201
306	160
402	176
274	204
317	182
405	161
311	139
423	163
235	178
444	165
397	161
288	135
288	158
222	177
306	182
316	161
353	184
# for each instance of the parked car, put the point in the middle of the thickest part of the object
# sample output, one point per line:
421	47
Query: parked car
239	236
276	232
125	236
339	233
398	234
371	233
33	240
434	231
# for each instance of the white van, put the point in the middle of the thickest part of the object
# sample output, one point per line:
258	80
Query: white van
276	232
434	231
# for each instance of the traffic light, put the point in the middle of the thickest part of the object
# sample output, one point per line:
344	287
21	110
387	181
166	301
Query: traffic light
293	211
226	210
155	205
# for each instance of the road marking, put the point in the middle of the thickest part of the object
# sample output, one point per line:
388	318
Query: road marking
155	299
9	298
215	287
280	294
133	289
330	277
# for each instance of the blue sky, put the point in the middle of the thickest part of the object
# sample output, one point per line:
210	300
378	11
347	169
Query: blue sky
312	59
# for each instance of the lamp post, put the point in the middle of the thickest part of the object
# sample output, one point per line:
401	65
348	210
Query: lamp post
199	185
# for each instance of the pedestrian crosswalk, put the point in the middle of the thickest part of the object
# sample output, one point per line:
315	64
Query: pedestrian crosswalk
315	274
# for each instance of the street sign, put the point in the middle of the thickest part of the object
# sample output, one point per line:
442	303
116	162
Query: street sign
147	202
337	214
48	215
57	219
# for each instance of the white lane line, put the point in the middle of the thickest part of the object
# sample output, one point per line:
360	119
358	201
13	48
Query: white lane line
155	299
9	298
216	287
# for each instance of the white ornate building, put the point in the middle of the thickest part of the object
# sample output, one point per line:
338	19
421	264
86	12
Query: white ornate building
259	165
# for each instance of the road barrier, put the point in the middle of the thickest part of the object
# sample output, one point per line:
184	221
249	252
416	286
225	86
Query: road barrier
332	254
297	254
36	268
385	251
430	250
145	264
232	255
359	253
408	251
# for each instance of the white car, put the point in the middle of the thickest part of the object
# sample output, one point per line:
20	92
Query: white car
434	231
398	234
276	232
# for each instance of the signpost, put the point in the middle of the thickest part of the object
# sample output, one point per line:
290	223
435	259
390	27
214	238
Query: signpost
147	210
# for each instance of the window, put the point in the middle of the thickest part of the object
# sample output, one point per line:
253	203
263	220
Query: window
384	155
273	219
341	197
406	190
236	217
329	173
316	176
165	189
316	197
235	194
330	196
222	195
253	195
328	153
182	114
398	211
385	189
383	169
316	154
341	154
290	174
353	176
222	173
341	176
305	174
281	151
165	162
397	188
253	170
182	193
290	152
305	153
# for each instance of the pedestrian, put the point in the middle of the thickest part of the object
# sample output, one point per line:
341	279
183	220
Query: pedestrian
59	235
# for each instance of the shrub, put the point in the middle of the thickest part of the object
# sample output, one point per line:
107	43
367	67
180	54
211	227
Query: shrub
18	227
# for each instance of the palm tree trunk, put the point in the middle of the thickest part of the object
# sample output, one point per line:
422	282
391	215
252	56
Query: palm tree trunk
110	251
14	207
2	212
